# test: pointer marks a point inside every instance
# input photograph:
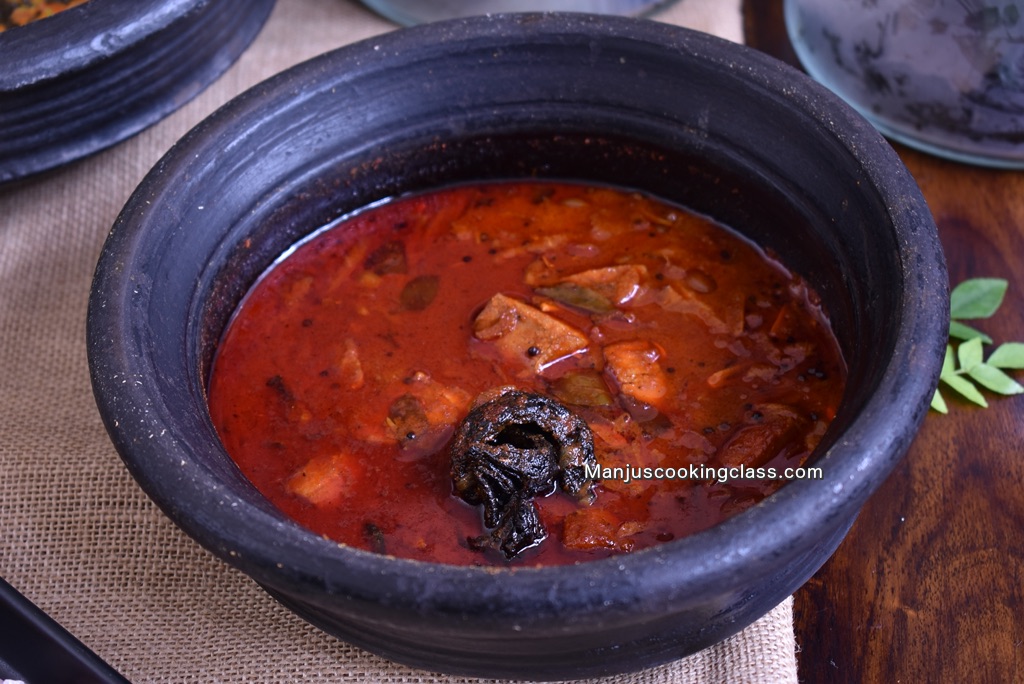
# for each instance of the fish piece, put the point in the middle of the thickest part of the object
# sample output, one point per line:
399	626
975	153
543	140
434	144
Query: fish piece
633	366
349	368
591	528
770	429
619	284
525	333
686	301
324	479
423	418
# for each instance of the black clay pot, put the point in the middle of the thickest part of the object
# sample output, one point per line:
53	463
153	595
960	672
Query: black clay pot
697	120
95	74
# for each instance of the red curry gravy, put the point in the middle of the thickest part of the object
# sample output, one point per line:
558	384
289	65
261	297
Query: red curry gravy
686	349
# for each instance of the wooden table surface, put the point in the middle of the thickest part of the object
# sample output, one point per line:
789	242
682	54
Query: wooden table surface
929	584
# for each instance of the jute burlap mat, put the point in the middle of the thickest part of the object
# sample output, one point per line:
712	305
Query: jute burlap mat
78	536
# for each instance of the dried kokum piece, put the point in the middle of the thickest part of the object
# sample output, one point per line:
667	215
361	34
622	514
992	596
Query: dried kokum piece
512	447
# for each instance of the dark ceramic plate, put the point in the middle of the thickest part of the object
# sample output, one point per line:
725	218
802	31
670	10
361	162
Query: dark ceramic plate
96	74
34	648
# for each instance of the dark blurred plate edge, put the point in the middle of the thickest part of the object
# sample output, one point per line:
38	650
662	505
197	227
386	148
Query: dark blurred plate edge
35	649
96	74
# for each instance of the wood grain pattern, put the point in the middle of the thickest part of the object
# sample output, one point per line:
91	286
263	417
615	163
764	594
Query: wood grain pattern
929	584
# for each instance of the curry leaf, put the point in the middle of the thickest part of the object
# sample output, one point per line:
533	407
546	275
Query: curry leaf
419	292
960	331
577	296
994	379
583	389
977	297
970	354
948	363
964	388
965	364
1008	355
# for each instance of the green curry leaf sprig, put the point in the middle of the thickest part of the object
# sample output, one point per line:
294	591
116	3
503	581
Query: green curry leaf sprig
965	366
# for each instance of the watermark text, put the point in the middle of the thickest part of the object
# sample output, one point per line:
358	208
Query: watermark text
701	472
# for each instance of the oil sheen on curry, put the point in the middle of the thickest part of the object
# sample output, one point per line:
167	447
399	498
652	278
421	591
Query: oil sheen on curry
523	373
